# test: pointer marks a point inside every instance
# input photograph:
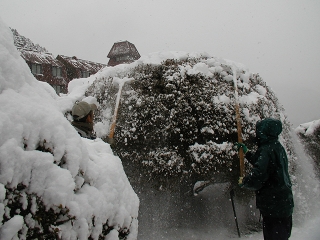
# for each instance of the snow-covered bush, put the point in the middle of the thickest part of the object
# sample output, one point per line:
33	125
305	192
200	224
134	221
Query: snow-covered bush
53	183
176	121
309	134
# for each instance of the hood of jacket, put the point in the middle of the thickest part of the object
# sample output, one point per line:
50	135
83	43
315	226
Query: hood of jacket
268	129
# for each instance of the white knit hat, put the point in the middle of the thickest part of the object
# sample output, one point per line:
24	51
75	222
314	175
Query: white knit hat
82	109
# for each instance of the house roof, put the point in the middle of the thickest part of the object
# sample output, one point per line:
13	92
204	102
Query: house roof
82	64
39	57
123	48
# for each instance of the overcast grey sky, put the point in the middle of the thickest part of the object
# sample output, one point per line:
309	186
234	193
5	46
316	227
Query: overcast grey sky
276	38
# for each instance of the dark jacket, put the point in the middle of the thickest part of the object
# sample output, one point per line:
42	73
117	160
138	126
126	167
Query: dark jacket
84	129
269	176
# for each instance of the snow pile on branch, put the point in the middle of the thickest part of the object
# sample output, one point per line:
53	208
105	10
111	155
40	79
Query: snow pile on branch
176	120
53	183
309	128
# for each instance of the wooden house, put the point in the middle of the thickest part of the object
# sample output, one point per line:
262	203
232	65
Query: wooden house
58	72
122	52
47	69
78	68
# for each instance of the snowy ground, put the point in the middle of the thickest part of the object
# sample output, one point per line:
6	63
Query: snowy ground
222	226
309	231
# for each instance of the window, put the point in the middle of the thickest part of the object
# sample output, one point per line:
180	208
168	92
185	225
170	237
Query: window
122	58
56	72
85	74
57	88
36	68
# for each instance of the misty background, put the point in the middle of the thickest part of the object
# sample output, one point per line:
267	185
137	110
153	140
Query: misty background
278	39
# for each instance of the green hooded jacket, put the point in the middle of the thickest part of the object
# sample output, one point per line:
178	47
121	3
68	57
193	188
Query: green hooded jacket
269	176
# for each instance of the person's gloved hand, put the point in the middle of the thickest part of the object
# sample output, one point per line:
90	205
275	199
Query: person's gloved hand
244	147
240	181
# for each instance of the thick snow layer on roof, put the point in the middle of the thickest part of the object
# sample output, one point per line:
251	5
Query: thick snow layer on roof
84	65
41	151
40	57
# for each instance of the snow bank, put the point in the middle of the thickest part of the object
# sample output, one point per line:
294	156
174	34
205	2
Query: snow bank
47	169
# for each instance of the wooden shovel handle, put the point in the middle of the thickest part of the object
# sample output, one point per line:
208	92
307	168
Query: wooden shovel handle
239	128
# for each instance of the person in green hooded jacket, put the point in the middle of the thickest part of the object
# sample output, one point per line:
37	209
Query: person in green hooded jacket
269	178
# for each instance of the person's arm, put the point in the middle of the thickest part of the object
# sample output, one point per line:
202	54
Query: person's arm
259	173
250	157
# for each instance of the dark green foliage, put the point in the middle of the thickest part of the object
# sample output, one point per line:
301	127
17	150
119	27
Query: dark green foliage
40	223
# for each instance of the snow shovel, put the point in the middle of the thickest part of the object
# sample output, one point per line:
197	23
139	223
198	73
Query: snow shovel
239	130
110	139
121	83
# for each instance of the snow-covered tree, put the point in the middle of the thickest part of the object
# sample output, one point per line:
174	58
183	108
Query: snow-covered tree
24	43
53	183
176	122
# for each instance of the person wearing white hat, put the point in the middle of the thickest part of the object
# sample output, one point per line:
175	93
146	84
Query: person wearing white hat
82	113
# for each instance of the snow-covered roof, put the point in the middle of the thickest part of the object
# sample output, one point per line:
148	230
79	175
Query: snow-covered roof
40	58
84	65
123	48
31	52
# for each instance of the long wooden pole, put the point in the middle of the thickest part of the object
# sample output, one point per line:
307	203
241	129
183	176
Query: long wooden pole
238	118
115	114
121	82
